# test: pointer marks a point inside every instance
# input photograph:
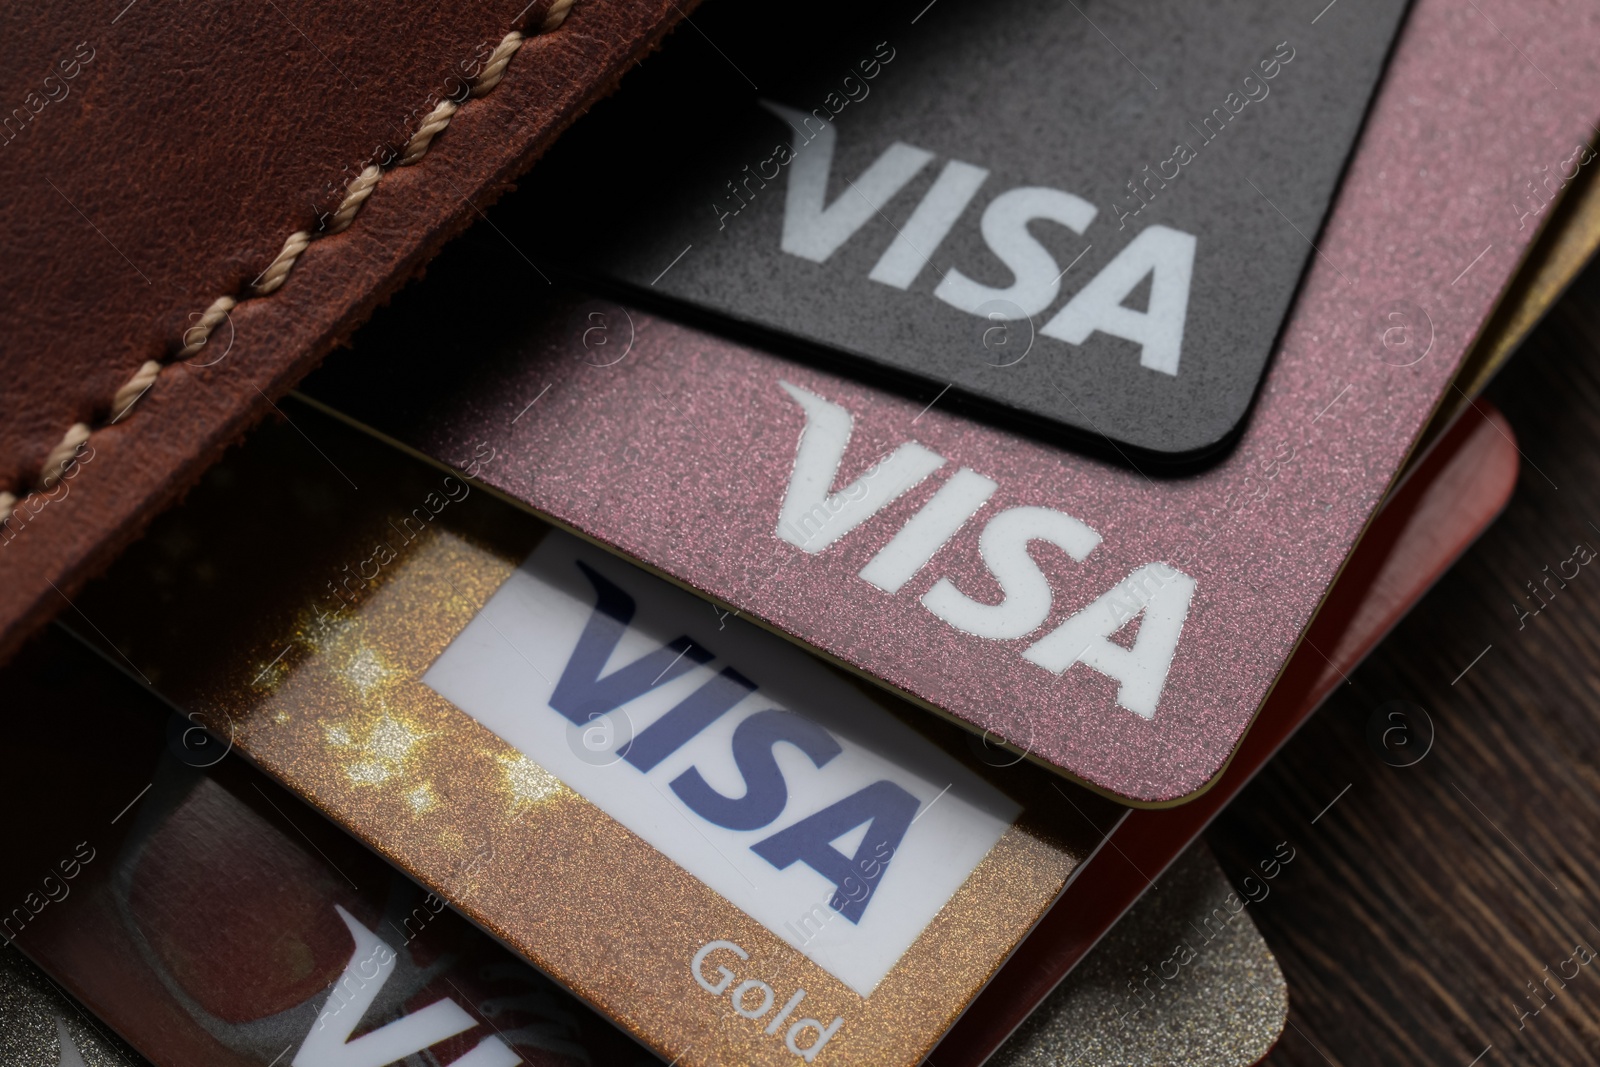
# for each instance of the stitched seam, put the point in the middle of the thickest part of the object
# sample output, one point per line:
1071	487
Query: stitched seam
66	452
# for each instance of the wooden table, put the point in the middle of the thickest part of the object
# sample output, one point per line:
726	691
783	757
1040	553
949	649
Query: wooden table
1426	898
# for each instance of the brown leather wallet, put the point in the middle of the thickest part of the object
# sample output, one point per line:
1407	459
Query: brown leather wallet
201	200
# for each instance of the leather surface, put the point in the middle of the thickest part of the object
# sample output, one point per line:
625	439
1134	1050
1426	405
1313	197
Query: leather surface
155	157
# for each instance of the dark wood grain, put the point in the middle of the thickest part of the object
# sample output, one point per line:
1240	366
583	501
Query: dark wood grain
1428	897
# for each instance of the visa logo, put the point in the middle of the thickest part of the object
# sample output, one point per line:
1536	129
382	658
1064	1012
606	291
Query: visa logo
814	229
586	691
814	516
759	770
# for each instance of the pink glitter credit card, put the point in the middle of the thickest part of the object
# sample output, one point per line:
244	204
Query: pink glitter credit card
1119	626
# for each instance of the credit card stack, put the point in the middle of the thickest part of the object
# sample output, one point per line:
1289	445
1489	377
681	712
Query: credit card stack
792	582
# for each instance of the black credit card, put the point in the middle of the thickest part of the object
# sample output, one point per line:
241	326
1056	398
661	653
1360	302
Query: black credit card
1081	218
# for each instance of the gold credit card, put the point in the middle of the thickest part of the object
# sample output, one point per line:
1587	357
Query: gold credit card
732	849
218	923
